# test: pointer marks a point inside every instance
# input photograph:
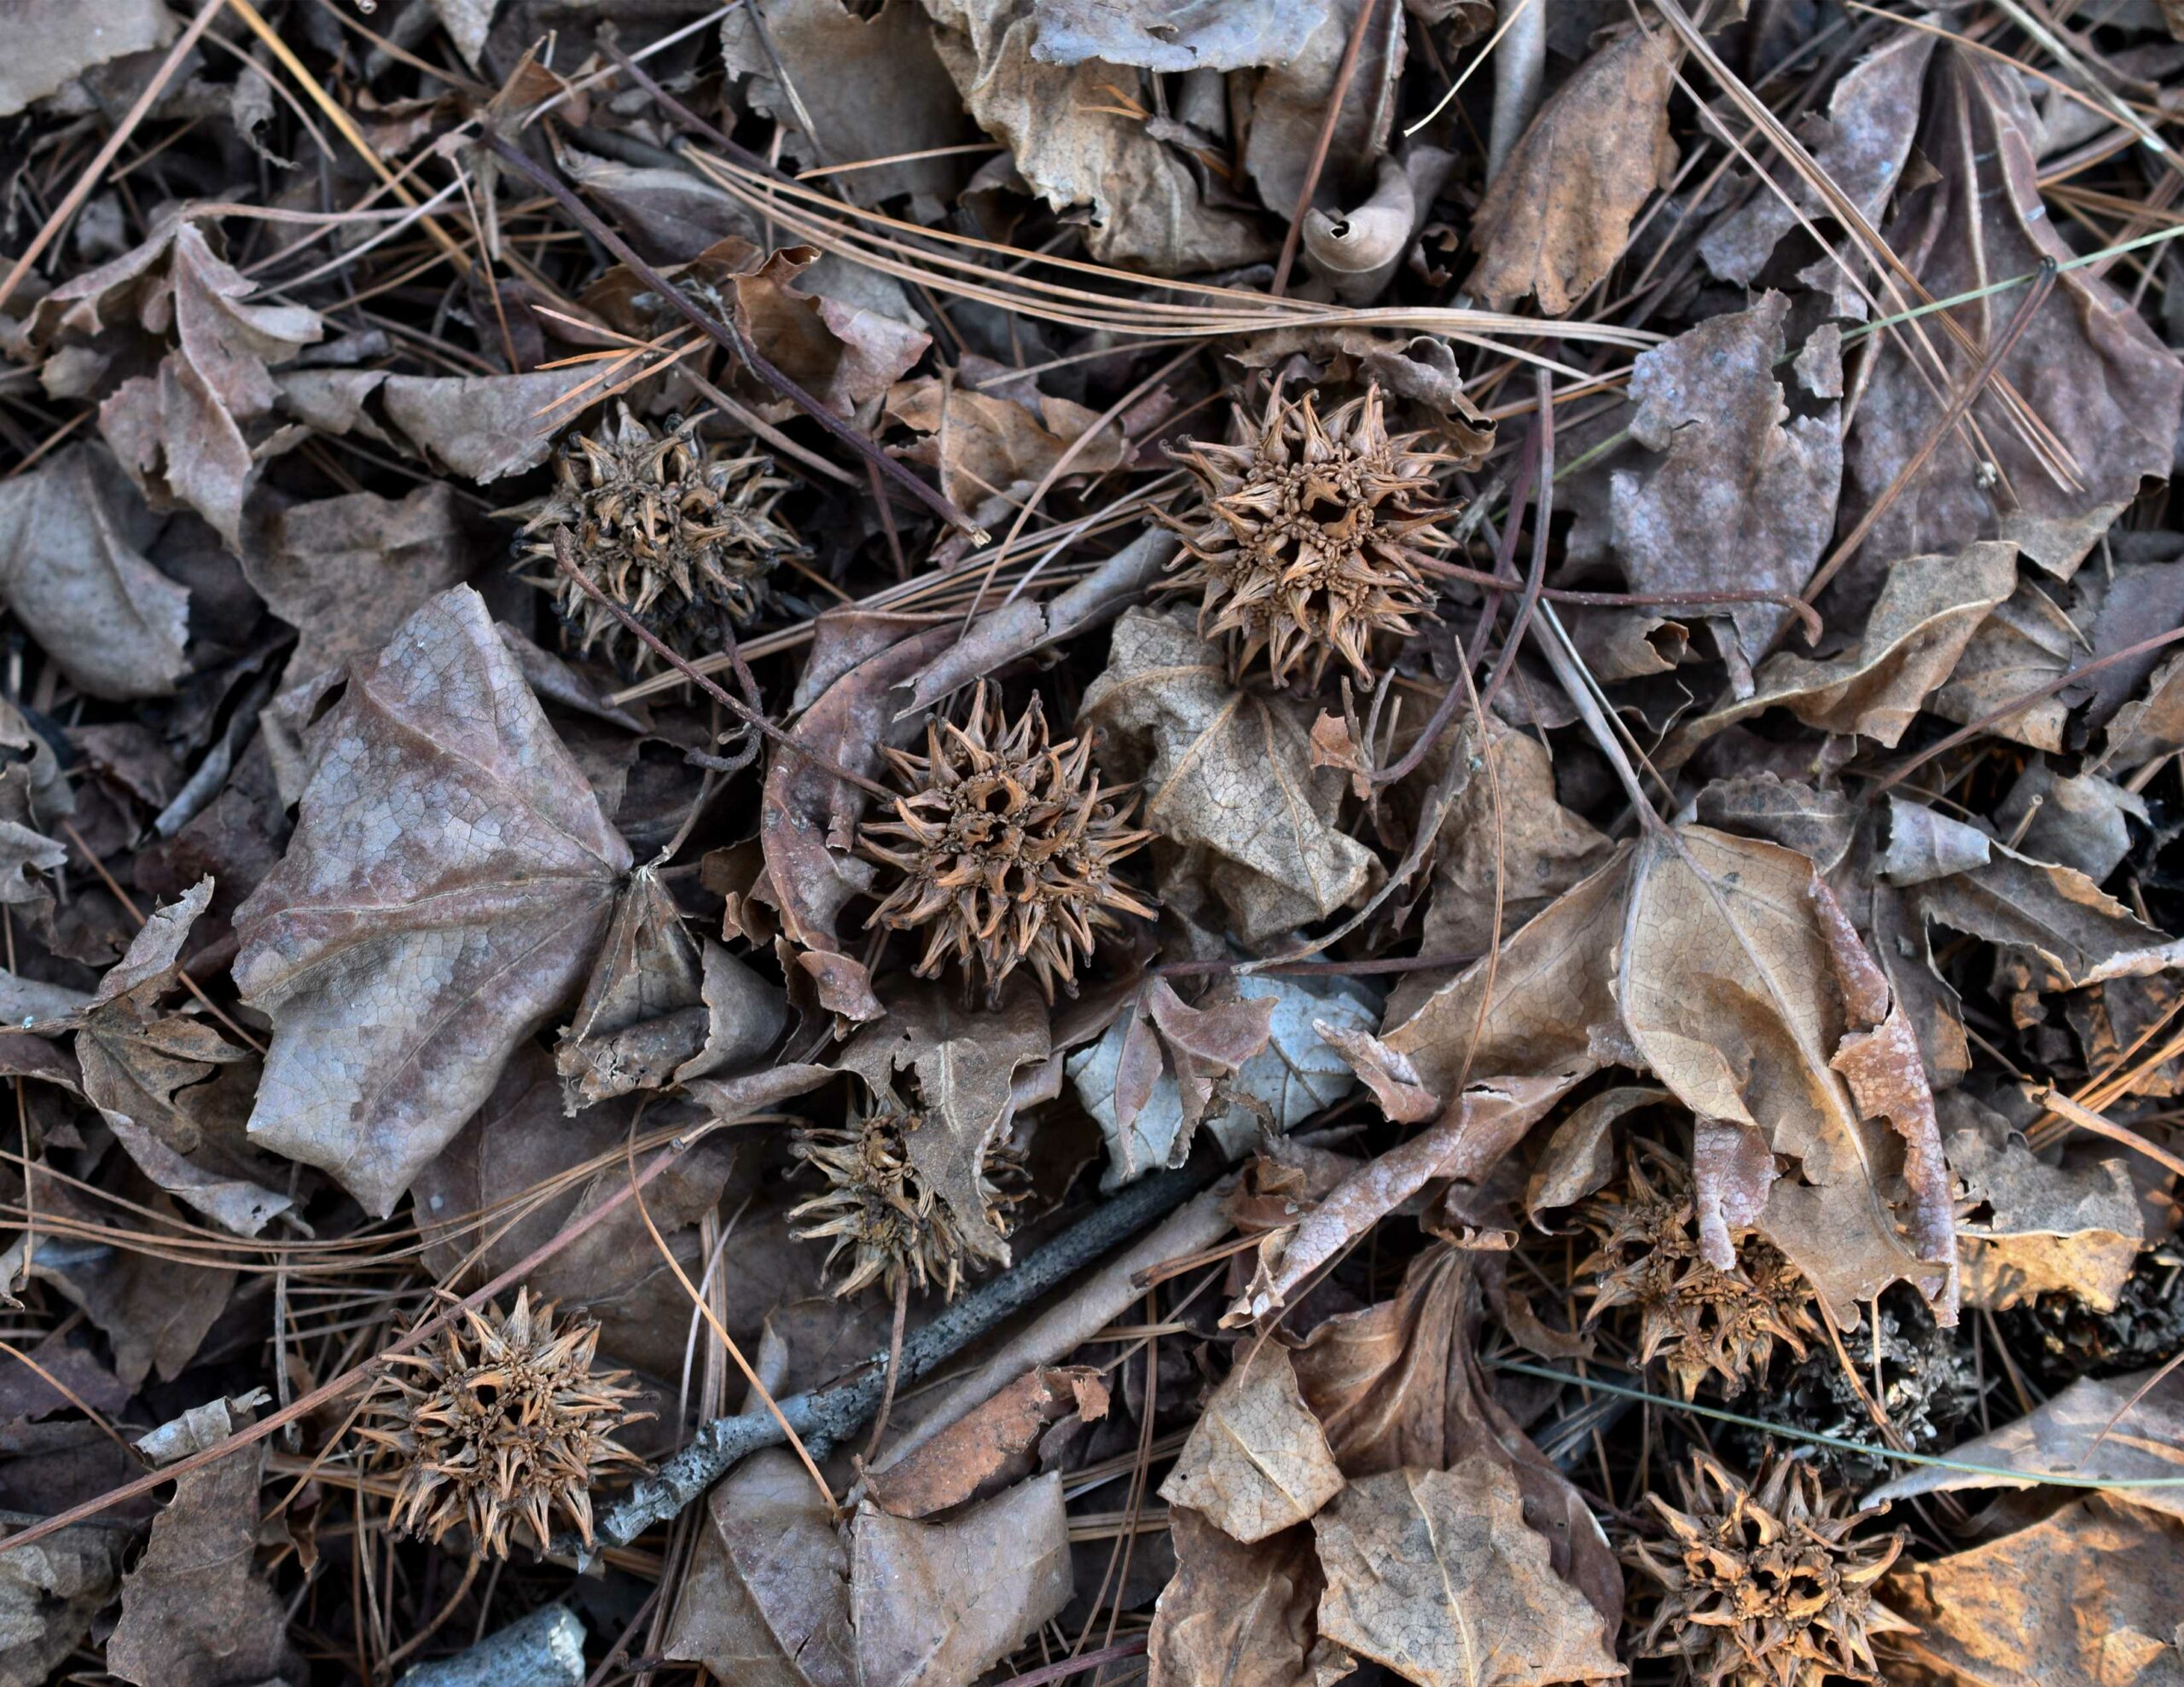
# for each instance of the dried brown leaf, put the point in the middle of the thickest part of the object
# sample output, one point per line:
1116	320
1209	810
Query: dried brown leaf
1243	1616
1434	1574
50	48
937	1605
1229	772
966	1064
1554	221
766	1602
1058	125
2086	1597
194	1611
987	445
1728	986
449	880
346	572
1579	1157
1256	1461
1929	610
1743	498
50	1591
2084	1434
808	818
73	534
2090	368
2032	1226
1484	1122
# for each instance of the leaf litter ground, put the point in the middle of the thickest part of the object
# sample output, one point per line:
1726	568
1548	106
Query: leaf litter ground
988	841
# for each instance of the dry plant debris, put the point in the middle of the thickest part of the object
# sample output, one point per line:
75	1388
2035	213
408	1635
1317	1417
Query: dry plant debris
1314	535
1697	1319
962	843
501	1422
880	1209
1007	846
678	531
1765	1584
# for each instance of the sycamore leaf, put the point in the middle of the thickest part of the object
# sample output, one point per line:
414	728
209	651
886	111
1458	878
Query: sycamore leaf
449	880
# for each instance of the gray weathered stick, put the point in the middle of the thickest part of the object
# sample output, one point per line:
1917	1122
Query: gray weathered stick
826	1416
543	1650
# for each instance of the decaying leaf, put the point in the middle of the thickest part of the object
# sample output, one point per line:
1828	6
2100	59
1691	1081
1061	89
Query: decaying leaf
967	1459
1728	984
991	449
1979	216
50	1591
1241	1615
1164	1068
809	817
2121	1429
194	1612
1554	221
1228	774
1074	149
1434	1574
767	1598
2086	1597
1743	498
145	1069
1929	609
1257	1463
73	534
346	572
451	872
965	1064
937	1604
2032	1226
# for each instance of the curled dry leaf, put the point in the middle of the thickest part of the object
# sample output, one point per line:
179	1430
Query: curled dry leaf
1058	125
2069	931
1256	1462
1164	1068
1579	1157
1435	1574
1485	1121
49	1592
73	534
1729	986
1554	221
481	427
144	1068
1929	609
937	1605
449	881
807	817
966	1459
1229	773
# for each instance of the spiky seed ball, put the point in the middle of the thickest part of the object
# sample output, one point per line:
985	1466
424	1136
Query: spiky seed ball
1764	1586
1312	537
677	531
1696	1317
502	1420
1007	846
879	1210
